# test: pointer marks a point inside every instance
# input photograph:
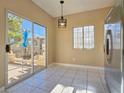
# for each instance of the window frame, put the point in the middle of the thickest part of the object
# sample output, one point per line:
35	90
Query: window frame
73	38
94	36
83	37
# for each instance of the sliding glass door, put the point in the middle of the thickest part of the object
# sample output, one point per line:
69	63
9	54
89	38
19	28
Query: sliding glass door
25	47
39	47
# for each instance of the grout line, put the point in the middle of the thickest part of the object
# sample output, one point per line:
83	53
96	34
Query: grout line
87	80
101	81
74	77
62	76
75	65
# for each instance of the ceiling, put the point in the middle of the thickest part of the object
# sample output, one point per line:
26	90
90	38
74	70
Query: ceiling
52	7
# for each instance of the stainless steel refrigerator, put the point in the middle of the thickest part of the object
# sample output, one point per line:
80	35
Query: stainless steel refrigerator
114	48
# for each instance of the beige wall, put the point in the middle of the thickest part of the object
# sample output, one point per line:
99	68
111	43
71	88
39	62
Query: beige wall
64	50
59	42
27	9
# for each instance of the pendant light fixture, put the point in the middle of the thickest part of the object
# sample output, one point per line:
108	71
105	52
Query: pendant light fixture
62	23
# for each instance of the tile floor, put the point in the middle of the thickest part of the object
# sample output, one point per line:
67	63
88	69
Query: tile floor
63	79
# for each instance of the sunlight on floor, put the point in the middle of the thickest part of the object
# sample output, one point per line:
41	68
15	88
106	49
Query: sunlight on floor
68	89
57	88
88	91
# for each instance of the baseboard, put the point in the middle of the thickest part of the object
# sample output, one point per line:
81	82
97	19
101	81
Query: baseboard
2	89
75	65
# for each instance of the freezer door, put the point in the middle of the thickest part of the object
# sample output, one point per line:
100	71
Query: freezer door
113	48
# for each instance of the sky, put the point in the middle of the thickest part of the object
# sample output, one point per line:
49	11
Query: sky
38	30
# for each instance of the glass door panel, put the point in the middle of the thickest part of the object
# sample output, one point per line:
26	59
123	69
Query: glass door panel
20	42
27	46
39	47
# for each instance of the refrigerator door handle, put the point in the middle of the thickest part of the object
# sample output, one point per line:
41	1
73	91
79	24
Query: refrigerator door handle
109	46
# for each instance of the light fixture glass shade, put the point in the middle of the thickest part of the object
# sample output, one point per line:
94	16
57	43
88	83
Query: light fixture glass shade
62	23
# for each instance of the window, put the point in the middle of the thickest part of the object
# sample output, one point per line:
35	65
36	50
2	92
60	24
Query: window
78	37
83	37
88	37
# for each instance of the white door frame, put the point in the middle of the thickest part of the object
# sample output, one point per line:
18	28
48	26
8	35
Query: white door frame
32	50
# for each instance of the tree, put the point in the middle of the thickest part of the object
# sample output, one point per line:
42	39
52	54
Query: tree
14	28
